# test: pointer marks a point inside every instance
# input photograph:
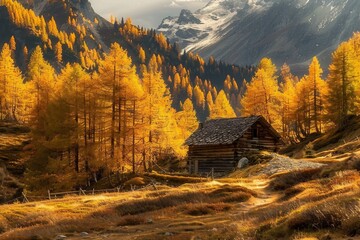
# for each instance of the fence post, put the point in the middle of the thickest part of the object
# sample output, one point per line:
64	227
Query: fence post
118	189
93	192
25	198
81	191
154	186
212	174
49	194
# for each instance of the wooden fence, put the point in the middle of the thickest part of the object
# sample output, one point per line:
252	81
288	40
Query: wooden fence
24	198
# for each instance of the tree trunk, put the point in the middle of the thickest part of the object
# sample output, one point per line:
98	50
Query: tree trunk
133	139
113	109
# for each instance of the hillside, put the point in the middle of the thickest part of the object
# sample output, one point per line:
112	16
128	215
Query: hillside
13	157
243	32
83	37
337	141
318	203
94	117
275	197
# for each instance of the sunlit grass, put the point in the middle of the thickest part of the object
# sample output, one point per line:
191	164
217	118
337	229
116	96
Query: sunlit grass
101	212
252	205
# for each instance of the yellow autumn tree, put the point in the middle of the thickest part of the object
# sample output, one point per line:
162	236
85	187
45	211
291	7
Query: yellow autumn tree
163	133
342	81
186	119
11	87
318	89
262	95
287	98
142	55
73	90
199	97
221	108
58	52
12	43
120	87
41	77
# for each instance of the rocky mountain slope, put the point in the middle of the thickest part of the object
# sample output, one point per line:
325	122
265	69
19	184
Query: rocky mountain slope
81	10
244	31
85	36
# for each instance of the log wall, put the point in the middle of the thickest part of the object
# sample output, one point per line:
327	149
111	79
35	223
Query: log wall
204	158
224	158
264	141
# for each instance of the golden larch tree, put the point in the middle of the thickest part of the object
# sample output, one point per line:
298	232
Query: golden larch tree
262	95
342	80
58	52
221	108
186	119
11	86
41	76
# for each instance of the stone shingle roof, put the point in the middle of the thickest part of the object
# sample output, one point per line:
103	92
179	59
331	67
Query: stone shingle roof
223	131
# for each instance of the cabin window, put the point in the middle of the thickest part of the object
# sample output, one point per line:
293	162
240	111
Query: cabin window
255	133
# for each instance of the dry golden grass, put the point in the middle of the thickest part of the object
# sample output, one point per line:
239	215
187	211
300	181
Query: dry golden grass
103	213
314	206
296	205
287	180
176	179
199	209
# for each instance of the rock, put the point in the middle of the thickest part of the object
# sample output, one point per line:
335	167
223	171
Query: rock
168	234
84	234
149	221
186	17
244	162
282	164
59	237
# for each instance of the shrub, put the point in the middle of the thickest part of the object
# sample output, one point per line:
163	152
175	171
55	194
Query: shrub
291	192
227	190
288	180
329	214
314	219
131	221
200	209
148	205
236	197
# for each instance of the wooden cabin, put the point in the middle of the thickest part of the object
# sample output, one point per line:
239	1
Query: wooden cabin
219	144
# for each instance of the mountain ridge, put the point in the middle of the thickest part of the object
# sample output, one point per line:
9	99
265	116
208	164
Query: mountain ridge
85	37
243	32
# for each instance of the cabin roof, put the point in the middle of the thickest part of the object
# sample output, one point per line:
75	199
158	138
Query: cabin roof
225	131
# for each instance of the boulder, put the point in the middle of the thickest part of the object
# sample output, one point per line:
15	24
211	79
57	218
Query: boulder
60	237
244	162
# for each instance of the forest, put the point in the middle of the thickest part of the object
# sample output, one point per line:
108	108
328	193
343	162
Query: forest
95	111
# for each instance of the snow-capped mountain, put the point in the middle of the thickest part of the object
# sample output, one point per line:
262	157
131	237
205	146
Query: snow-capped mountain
244	31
